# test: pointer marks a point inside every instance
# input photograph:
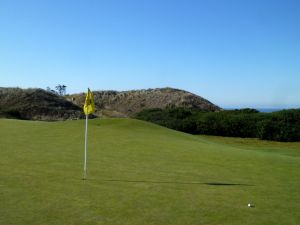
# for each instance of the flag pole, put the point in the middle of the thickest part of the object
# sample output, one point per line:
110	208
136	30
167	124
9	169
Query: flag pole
85	145
88	108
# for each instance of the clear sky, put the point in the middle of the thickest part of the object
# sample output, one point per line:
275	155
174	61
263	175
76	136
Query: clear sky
236	53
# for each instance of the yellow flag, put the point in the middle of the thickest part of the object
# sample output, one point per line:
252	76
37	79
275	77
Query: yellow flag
89	105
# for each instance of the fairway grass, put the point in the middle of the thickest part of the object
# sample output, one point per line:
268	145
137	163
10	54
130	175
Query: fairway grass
140	173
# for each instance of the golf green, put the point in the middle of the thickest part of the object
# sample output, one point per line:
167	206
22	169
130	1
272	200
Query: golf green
140	173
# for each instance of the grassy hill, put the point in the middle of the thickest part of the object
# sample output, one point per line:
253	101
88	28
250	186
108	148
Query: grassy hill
140	173
39	104
36	104
128	103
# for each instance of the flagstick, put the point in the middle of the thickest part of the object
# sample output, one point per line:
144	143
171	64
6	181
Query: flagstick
85	145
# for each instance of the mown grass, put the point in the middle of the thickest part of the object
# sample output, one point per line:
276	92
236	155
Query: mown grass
140	173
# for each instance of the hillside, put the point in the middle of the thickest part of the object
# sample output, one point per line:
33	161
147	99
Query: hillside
36	104
140	173
128	103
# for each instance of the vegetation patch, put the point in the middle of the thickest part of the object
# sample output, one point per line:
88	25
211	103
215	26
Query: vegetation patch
278	126
36	104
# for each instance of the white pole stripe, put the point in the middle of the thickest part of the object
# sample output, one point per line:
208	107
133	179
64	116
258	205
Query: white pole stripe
85	145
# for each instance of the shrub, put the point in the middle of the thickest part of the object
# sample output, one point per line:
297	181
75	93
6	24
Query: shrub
279	126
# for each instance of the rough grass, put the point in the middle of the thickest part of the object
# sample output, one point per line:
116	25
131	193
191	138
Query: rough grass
140	173
129	103
36	104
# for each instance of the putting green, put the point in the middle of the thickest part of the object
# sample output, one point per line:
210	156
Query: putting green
140	173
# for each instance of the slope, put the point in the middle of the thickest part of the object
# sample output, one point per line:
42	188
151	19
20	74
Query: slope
140	173
128	103
36	104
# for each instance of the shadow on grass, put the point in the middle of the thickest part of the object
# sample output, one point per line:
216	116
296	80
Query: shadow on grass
176	182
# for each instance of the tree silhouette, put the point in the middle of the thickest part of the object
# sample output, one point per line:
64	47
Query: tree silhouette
61	89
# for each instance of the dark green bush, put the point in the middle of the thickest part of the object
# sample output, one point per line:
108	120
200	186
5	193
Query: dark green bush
279	126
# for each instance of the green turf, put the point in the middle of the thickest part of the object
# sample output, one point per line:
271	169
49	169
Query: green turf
140	173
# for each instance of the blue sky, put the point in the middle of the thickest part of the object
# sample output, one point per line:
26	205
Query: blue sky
234	53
